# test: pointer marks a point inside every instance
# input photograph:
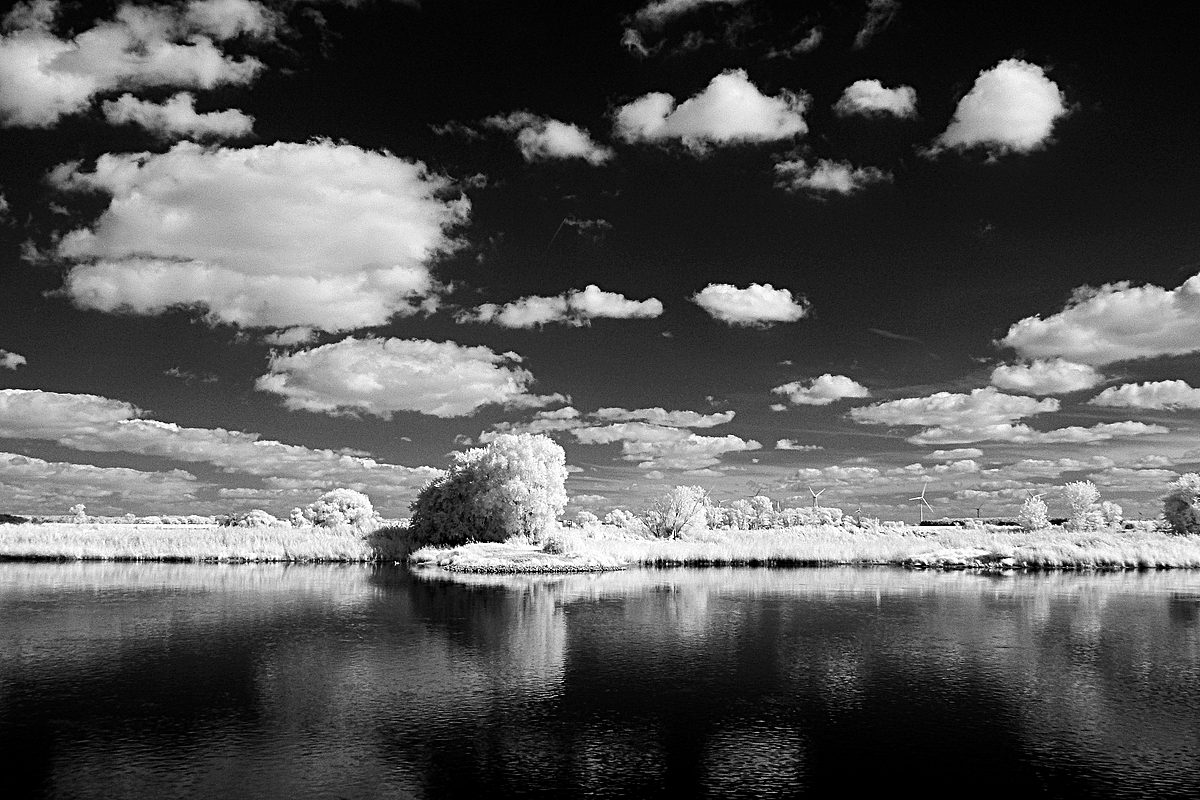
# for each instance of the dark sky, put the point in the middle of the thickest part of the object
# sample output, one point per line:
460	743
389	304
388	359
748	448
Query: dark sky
860	246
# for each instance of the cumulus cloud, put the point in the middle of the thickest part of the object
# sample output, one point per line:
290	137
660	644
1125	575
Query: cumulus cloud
1168	395
99	424
687	453
758	305
320	235
11	360
880	14
382	376
822	391
177	118
658	13
542	138
576	307
1116	322
837	177
730	110
956	454
871	98
988	415
28	482
1011	108
44	77
791	444
1053	376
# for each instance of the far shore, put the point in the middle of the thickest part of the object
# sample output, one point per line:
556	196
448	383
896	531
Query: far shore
605	547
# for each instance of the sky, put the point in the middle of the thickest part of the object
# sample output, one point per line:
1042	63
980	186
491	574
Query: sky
252	250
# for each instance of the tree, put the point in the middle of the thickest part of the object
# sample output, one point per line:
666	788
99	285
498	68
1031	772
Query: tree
1084	500
514	486
683	509
341	507
1034	515
1180	509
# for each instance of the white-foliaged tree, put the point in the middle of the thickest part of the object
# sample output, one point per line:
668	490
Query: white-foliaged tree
1084	499
341	507
1181	505
515	485
1034	515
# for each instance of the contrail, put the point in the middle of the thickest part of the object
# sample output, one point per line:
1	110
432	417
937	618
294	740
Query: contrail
556	230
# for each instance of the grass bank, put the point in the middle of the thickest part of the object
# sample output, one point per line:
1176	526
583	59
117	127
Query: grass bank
950	547
142	542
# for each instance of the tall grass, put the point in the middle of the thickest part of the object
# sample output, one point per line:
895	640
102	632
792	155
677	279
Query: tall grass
109	542
823	545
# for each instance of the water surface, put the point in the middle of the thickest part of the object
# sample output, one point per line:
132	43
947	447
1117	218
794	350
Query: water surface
166	680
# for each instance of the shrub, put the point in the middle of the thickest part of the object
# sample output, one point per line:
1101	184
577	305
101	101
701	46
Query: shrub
1034	515
621	518
78	513
1180	508
256	519
1084	499
1113	514
585	518
681	510
515	486
341	507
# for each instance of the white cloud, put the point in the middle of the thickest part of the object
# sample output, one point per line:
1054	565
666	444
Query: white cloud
1054	376
689	453
320	235
988	415
11	360
791	444
576	307
382	376
1011	108
955	454
28	482
541	138
730	110
869	97
176	118
99	424
660	416
1116	322
44	77
823	390
1169	395
1023	434
806	45
659	12
838	177
980	408
879	15
756	305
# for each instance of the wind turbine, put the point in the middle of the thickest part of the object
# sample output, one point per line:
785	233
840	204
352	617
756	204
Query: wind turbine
924	503
815	495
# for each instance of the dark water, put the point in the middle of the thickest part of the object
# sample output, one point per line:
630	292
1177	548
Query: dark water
158	680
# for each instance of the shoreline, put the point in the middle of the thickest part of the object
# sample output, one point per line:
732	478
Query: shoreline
600	548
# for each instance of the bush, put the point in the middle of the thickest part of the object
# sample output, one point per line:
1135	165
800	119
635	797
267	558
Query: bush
1034	514
341	507
1179	505
621	518
681	510
256	519
515	486
1084	499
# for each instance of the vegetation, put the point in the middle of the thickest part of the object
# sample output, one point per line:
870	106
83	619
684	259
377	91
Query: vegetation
142	542
336	507
515	486
1084	499
1180	509
1034	514
681	510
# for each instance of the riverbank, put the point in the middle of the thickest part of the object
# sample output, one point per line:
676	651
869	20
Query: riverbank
604	547
61	541
938	548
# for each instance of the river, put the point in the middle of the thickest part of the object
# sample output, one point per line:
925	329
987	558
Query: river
226	681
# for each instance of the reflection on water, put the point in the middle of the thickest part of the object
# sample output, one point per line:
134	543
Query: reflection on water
159	680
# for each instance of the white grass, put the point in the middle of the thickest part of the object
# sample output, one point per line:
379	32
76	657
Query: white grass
829	545
141	542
